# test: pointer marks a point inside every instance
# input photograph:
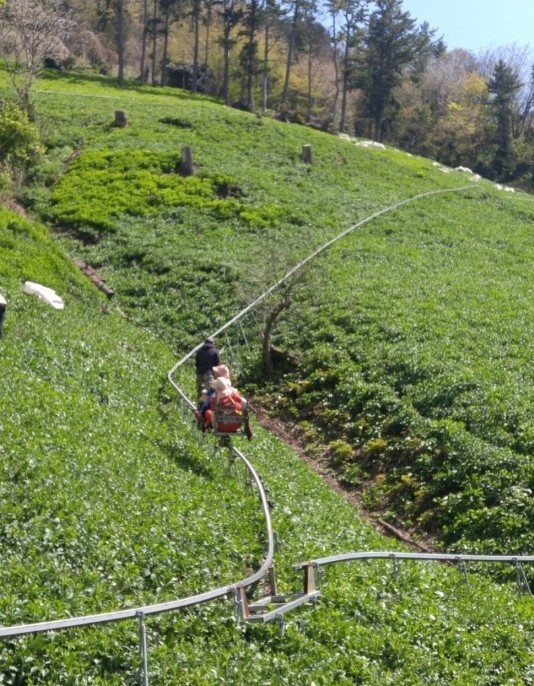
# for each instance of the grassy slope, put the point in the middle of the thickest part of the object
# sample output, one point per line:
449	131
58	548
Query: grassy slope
108	501
428	307
262	159
434	365
105	489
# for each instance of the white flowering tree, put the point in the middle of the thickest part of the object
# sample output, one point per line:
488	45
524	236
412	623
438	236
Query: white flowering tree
30	31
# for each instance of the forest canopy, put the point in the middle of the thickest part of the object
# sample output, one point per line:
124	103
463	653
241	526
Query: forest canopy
353	66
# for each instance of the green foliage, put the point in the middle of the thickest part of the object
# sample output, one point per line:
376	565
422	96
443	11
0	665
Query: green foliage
107	498
390	340
434	386
101	186
19	140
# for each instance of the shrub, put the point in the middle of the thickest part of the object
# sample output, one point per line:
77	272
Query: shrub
19	141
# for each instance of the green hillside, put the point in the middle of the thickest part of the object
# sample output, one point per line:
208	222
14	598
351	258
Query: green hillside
413	333
108	498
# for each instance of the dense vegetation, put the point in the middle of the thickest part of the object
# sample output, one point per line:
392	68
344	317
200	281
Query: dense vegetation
107	497
365	67
403	371
109	501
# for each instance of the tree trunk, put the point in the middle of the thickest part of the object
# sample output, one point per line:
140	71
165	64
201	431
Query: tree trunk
265	87
164	56
251	53
142	68
208	29
267	331
344	85
196	46
309	83
290	50
336	71
226	67
377	123
120	40
154	40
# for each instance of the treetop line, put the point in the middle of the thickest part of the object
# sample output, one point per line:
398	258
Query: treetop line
351	66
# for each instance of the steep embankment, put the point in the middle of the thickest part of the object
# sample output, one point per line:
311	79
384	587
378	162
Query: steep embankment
412	334
108	499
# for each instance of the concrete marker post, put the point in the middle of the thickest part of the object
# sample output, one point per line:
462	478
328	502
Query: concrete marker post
3	306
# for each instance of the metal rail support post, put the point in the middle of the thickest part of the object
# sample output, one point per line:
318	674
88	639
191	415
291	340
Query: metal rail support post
395	567
238	604
143	670
309	578
463	569
521	579
273	586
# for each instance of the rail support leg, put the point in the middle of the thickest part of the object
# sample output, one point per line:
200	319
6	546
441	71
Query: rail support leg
463	567
143	671
309	578
521	579
395	567
241	607
273	587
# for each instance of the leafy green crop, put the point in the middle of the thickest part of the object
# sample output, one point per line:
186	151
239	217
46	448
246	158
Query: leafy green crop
101	186
109	500
421	373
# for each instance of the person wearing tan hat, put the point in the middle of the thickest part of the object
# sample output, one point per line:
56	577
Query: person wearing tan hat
227	401
221	370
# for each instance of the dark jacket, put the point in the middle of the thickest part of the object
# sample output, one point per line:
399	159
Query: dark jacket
207	357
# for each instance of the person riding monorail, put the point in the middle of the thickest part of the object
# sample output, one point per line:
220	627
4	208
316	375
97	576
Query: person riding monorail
206	358
227	401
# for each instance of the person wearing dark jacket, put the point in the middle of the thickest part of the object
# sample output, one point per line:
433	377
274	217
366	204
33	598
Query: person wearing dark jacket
206	358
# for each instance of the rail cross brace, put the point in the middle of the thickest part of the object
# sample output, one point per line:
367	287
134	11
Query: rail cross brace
276	604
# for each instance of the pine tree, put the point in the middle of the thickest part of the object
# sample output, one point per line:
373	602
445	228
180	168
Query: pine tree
391	44
504	85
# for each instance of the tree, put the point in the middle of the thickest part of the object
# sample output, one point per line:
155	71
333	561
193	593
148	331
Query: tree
144	37
504	85
170	10
155	27
19	144
119	15
333	8
30	31
519	59
271	260
196	14
390	45
352	13
270	15
231	16
249	53
207	23
443	111
296	9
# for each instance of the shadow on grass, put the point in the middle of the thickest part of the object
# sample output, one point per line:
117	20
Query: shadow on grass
188	462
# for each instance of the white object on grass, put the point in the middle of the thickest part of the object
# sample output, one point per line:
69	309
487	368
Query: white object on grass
48	295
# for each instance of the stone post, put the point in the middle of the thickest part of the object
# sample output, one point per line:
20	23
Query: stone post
186	168
3	305
306	154
120	119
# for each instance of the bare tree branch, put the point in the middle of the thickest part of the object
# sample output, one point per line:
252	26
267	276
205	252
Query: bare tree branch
30	31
